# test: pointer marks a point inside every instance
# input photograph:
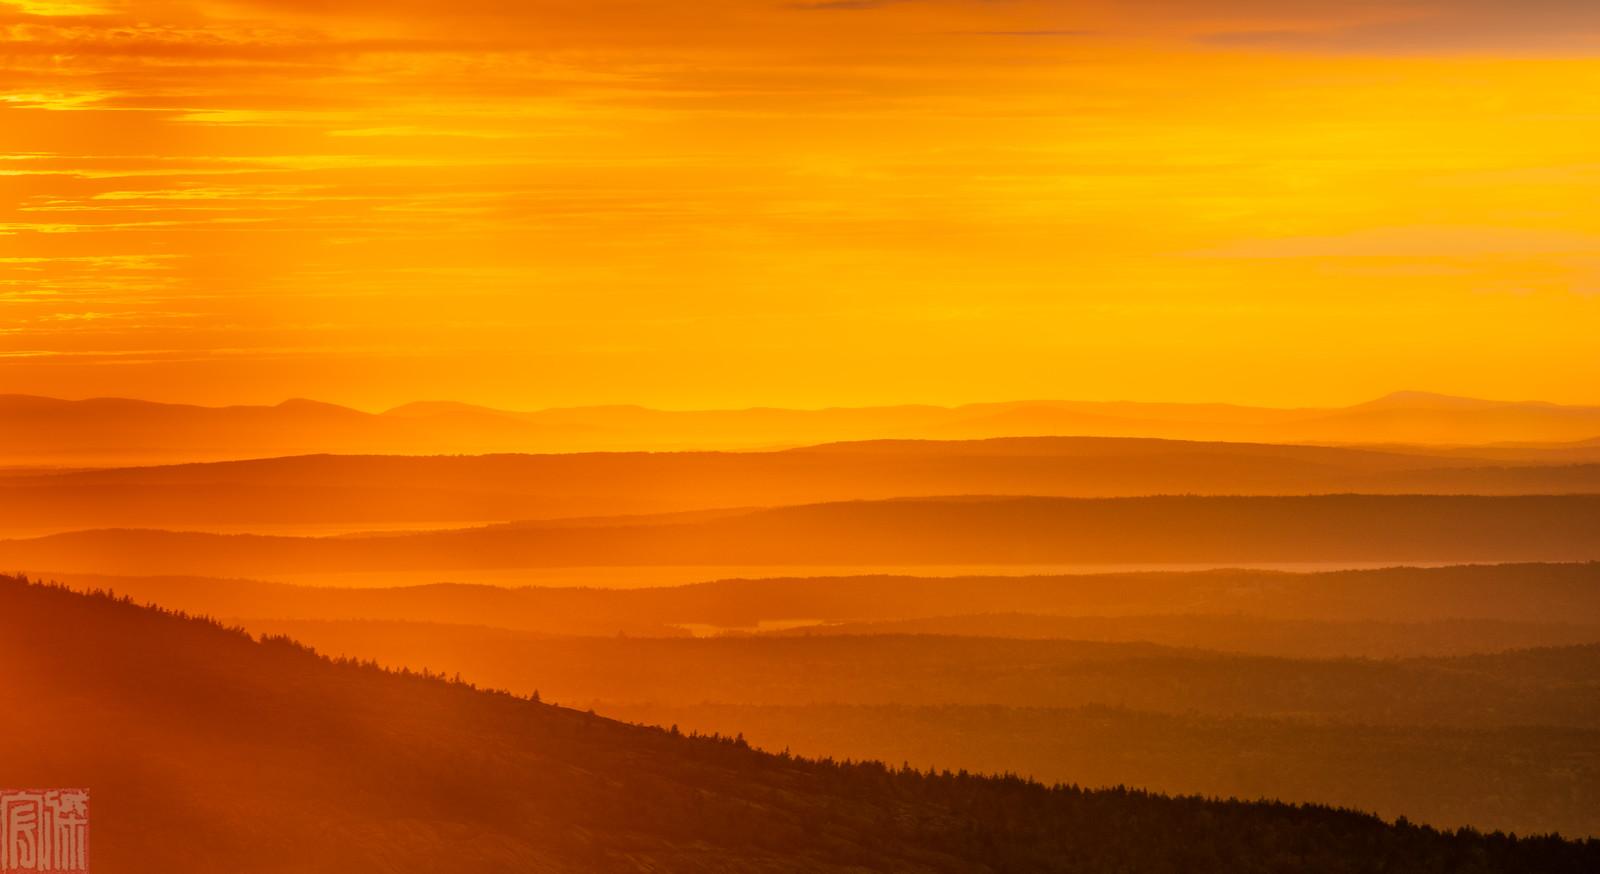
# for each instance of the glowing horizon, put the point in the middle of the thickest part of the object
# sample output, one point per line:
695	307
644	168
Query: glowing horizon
806	205
1398	394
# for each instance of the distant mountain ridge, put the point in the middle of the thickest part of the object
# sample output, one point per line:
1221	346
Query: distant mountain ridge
103	431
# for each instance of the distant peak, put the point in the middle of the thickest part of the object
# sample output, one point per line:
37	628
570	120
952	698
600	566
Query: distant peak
1415	395
1428	399
1437	401
308	405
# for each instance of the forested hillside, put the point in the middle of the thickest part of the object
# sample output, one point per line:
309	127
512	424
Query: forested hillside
207	750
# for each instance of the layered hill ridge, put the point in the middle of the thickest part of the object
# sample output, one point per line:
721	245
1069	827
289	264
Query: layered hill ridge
928	531
105	431
206	749
1539	598
340	493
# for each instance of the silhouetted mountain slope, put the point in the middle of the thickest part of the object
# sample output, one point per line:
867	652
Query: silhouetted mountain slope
1417	737
122	431
913	531
1526	779
207	751
333	490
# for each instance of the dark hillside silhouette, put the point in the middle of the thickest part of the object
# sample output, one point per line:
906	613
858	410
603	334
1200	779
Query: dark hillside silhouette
1418	737
1542	777
208	751
1415	737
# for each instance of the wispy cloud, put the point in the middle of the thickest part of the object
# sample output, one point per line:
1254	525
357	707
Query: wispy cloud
1561	27
564	178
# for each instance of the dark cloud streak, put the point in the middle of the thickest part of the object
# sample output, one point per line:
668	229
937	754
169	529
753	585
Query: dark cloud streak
1544	27
1042	34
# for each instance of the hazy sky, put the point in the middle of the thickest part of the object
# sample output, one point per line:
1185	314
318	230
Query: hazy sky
734	202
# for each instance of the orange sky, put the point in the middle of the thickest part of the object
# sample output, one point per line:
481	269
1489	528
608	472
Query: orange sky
732	202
